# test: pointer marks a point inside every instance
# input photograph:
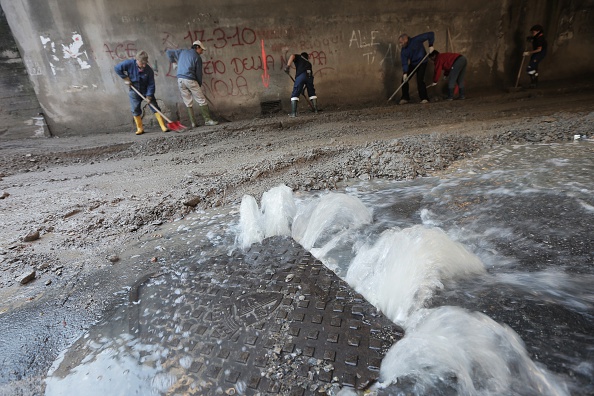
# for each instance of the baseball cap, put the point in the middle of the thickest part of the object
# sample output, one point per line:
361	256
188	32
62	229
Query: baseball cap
198	43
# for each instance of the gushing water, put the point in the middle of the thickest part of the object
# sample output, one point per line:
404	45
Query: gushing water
467	352
470	242
400	272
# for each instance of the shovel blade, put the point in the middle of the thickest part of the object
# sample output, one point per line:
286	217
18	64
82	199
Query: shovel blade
176	126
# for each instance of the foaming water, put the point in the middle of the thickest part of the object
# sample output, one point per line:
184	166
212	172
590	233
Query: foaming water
449	348
401	271
327	218
480	235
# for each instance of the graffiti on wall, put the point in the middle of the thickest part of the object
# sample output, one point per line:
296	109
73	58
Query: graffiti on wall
70	51
226	76
371	48
120	51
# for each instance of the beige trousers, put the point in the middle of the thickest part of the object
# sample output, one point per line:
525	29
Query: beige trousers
191	89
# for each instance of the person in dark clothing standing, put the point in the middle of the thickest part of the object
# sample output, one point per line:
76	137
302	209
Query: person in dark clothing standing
303	77
538	53
454	67
137	73
413	54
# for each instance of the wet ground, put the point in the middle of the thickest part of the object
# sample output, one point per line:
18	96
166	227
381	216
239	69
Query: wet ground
90	198
271	320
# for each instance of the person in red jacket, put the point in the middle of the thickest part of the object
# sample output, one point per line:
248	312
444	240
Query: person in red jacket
454	67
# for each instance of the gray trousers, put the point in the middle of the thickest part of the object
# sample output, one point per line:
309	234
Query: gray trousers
457	75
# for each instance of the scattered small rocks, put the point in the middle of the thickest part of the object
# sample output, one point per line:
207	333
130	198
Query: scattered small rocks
113	258
4	195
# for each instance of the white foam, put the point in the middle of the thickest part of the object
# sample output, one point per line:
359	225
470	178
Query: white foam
403	269
449	347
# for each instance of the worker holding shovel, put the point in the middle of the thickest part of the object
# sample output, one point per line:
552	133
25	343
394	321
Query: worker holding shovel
414	57
140	77
454	67
189	80
539	51
303	77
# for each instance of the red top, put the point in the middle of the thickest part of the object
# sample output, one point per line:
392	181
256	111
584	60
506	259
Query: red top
445	61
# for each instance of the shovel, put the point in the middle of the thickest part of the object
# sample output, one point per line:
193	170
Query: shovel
411	74
174	126
516	88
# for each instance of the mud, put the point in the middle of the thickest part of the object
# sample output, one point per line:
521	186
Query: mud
91	197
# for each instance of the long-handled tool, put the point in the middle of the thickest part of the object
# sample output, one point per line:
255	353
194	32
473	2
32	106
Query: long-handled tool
408	78
172	125
515	87
520	71
219	116
303	93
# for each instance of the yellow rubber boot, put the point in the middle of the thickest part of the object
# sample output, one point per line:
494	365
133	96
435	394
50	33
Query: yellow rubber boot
161	122
139	127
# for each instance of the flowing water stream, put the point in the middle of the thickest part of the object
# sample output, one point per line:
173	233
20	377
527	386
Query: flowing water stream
489	269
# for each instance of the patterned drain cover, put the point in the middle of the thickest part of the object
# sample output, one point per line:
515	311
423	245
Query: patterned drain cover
271	320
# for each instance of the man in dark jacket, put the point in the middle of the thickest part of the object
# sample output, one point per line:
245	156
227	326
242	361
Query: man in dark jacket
303	77
413	54
140	75
539	51
189	80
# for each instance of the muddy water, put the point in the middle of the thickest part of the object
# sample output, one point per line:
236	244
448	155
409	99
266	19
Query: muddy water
498	260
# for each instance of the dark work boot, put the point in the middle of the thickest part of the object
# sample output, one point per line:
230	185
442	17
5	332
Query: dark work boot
294	104
314	103
450	94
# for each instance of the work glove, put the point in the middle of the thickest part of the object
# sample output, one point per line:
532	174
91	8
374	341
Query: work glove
431	85
149	99
287	68
526	53
127	81
404	77
431	49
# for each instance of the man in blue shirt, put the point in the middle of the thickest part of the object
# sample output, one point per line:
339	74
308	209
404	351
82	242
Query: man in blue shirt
189	80
413	54
138	73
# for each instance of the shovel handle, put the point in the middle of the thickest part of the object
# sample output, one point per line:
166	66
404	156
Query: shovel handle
404	82
149	103
520	71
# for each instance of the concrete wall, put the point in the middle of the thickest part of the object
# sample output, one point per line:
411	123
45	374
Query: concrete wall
71	46
20	112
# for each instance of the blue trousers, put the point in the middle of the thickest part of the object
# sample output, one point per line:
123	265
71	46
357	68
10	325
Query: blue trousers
136	101
300	81
534	61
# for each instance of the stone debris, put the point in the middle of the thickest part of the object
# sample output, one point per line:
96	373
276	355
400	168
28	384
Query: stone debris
26	277
32	236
